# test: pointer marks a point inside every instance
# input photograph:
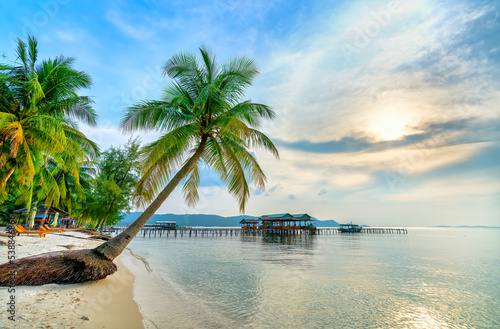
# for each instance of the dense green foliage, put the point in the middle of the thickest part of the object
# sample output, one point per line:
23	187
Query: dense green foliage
40	144
114	184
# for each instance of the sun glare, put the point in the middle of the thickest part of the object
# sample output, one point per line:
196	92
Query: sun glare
389	125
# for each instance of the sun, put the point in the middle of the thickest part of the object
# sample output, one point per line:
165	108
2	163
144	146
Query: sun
389	125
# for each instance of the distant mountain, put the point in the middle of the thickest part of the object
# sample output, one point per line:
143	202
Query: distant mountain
189	219
206	220
327	223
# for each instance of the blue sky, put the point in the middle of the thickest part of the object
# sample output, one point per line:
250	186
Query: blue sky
388	111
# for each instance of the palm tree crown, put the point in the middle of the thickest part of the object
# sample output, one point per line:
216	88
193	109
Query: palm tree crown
202	109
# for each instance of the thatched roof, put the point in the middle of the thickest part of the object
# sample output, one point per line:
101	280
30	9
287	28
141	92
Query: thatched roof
277	216
41	210
287	217
302	216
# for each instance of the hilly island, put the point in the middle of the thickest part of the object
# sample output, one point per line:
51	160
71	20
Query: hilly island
206	220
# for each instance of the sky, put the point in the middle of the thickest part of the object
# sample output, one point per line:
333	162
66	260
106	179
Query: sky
387	111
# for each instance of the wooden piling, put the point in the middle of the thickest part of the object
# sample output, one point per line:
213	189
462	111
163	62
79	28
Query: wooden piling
219	232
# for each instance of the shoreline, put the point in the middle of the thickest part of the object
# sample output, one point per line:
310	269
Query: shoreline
111	301
107	303
173	305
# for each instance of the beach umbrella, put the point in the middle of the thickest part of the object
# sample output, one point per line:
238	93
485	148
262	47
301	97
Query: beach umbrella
32	215
54	223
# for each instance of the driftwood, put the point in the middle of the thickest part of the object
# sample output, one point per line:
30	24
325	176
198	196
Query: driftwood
67	246
101	237
89	231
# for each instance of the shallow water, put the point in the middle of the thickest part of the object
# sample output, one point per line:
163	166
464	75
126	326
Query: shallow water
429	278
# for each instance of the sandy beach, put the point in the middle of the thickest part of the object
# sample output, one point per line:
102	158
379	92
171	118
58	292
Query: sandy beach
104	304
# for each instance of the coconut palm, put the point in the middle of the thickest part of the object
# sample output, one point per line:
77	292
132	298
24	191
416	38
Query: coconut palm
62	181
204	121
38	103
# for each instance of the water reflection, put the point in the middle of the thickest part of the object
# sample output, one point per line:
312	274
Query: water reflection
295	250
421	317
305	241
425	279
351	240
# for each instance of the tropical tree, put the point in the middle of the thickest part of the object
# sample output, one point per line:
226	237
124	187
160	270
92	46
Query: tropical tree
204	121
38	103
115	184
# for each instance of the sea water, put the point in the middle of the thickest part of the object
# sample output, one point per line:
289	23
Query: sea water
428	278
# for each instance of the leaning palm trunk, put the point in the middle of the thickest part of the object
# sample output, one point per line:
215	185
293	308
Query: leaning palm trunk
112	248
46	212
3	183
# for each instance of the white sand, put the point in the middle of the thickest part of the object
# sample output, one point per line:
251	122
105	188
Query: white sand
107	303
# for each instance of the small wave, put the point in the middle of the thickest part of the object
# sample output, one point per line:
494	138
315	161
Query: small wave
142	259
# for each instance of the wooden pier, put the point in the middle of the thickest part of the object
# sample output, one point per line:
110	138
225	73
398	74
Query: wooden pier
365	230
206	232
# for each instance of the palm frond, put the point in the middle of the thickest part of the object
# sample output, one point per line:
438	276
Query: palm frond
190	188
259	140
76	139
160	158
236	75
149	115
214	156
237	183
250	113
211	68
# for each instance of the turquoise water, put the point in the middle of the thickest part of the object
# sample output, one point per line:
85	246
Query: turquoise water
429	278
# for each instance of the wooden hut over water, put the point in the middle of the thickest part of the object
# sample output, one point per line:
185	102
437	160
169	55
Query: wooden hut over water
249	223
285	221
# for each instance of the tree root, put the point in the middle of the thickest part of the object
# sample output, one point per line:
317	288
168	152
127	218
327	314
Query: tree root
63	267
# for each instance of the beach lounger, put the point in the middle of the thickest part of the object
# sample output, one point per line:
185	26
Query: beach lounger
21	230
47	228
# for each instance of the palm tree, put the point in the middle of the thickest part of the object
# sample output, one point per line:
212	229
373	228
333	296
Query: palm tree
118	175
62	181
204	121
38	103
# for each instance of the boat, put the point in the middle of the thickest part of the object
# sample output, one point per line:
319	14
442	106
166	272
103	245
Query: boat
349	228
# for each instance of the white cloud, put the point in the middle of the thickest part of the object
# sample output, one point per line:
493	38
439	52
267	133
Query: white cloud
131	29
450	189
348	180
107	135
